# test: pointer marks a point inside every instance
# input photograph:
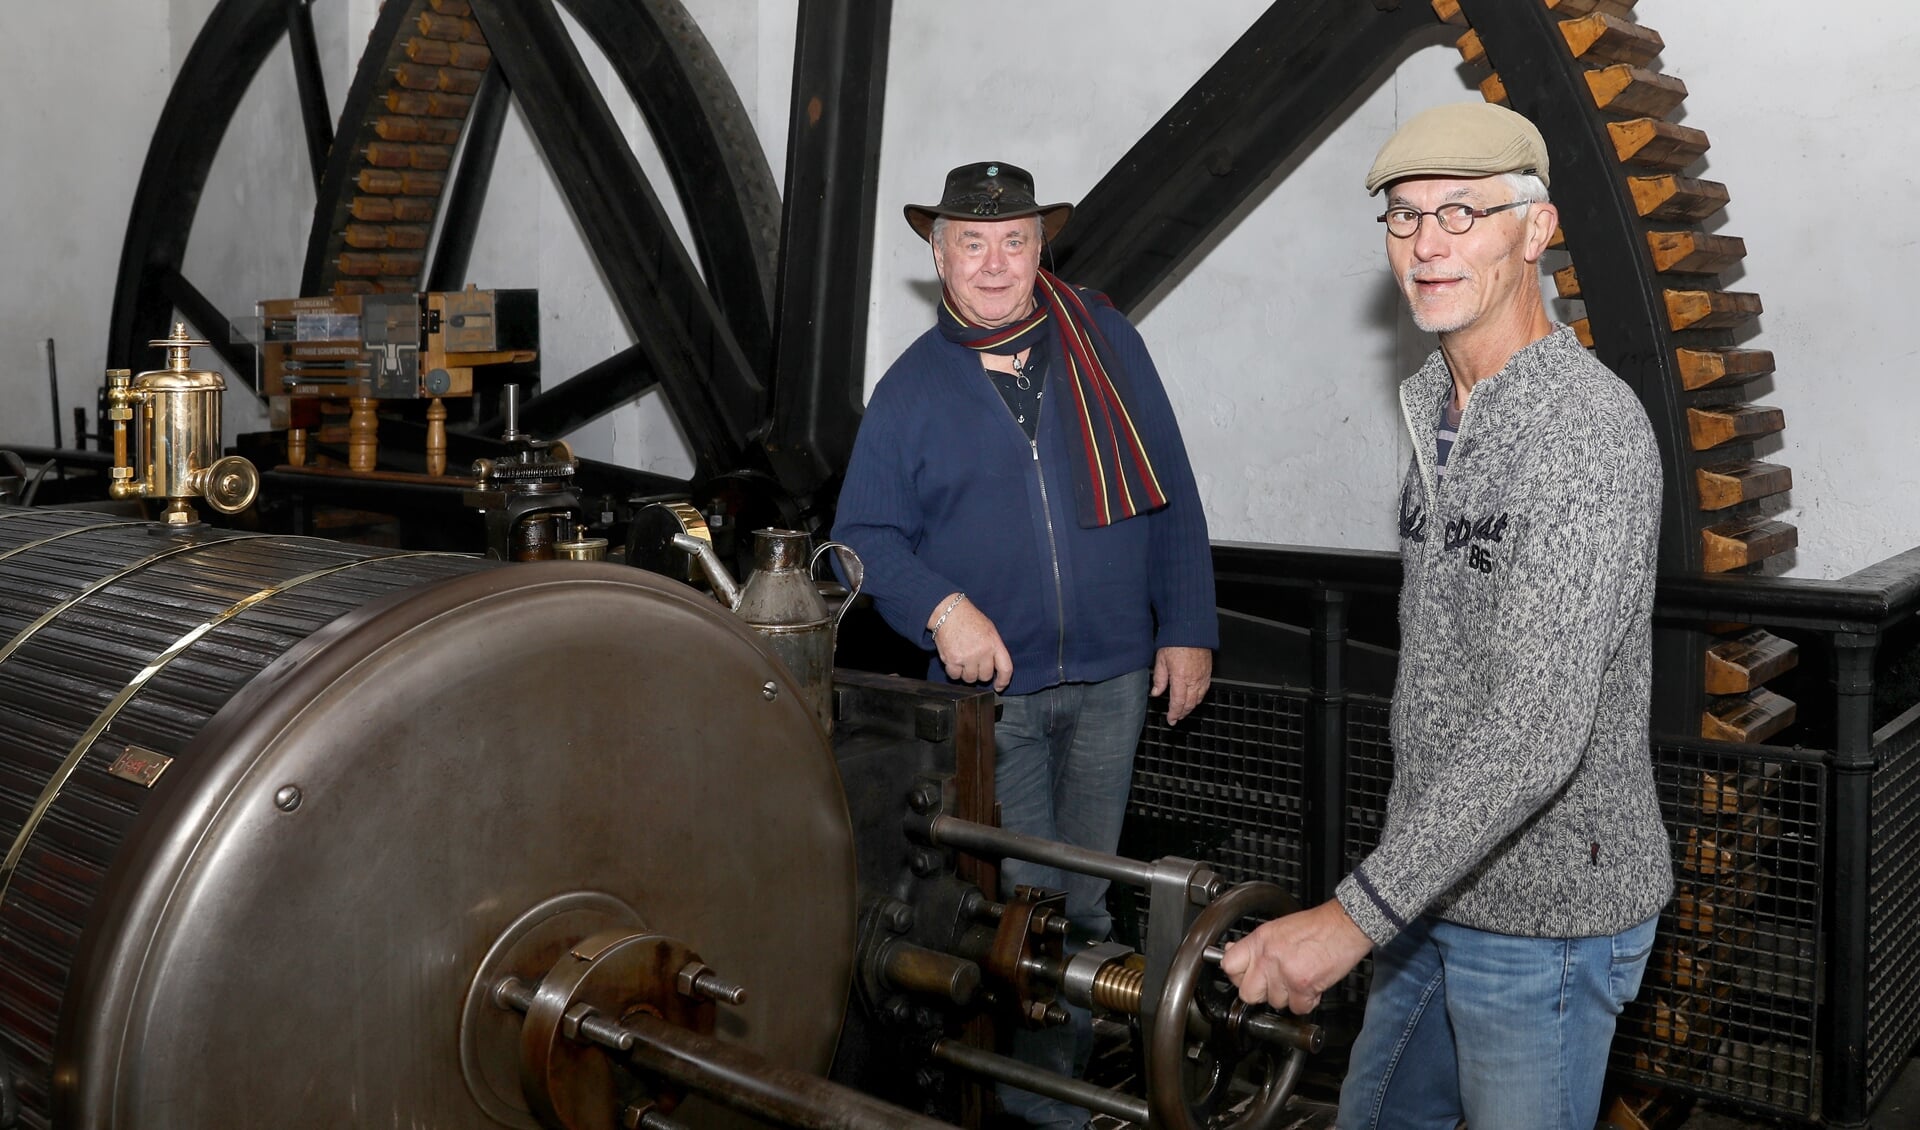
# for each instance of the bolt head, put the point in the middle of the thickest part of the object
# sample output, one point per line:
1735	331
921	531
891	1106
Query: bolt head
769	690
287	798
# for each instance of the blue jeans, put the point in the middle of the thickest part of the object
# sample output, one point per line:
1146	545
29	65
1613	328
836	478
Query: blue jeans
1063	764
1508	1033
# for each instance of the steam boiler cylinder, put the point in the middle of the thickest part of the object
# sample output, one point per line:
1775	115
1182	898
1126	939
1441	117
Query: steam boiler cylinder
267	801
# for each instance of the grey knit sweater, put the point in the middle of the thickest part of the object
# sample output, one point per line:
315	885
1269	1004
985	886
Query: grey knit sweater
1523	799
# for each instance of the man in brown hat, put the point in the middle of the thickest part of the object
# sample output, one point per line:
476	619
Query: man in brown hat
1022	500
1511	903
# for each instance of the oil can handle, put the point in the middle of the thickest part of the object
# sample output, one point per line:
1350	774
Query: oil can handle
851	564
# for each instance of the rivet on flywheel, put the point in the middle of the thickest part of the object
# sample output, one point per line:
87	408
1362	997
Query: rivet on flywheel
287	798
769	690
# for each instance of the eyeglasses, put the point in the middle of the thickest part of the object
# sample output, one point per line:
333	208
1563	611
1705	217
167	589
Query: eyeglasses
1454	219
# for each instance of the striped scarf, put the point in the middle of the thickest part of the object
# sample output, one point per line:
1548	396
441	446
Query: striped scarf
1115	480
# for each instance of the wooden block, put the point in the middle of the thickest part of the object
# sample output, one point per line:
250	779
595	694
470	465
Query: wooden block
1558	240
407	236
421	183
358	263
1583	329
352	286
1710	309
451	7
373	209
1669	197
379	182
429	52
1567	9
1739	665
437	25
1711	426
1655	142
471	56
433	131
456	80
1694	253
403	265
1493	90
1625	90
1449	12
416	76
1751	717
1735	794
440	156
1702	368
413	209
1600	39
387	155
1566	283
1472	51
1743	542
1728	484
364	235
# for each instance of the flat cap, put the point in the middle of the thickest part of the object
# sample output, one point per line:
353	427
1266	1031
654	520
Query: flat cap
1460	139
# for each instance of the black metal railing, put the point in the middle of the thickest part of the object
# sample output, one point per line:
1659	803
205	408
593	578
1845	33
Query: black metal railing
1787	974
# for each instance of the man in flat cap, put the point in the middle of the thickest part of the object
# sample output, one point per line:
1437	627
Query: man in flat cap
1511	903
1022	500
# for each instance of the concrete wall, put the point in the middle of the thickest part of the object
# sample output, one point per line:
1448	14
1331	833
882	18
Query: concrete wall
1280	344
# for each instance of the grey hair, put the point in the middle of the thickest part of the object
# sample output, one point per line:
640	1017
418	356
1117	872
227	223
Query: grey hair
1526	186
939	227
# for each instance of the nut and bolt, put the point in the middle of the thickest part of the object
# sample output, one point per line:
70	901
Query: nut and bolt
897	915
769	690
647	1117
897	1009
925	797
924	861
696	981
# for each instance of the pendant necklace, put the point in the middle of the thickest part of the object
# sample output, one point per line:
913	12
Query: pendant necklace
1021	380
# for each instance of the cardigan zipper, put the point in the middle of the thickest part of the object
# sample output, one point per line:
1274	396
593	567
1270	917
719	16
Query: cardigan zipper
1046	511
1053	550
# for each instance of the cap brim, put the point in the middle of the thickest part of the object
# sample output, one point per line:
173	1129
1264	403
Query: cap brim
1053	217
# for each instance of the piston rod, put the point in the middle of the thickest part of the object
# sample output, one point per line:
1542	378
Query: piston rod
966	835
732	1075
743	1080
1004	1069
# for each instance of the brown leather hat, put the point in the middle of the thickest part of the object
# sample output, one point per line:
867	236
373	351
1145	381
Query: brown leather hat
988	190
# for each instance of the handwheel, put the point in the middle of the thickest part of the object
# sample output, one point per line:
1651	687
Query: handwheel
1224	1046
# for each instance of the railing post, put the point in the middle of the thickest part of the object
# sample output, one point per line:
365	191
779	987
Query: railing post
1324	775
1852	838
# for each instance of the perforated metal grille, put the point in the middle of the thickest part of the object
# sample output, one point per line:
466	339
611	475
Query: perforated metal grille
1893	907
1225	785
1369	774
1729	1003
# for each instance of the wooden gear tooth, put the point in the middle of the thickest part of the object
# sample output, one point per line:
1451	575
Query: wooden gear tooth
1713	425
1743	542
1625	90
1601	39
1472	51
1729	484
1745	662
1694	253
1703	368
1669	197
1656	143
1749	718
1710	309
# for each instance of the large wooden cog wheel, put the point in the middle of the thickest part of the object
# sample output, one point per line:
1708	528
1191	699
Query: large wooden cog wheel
399	190
1647	271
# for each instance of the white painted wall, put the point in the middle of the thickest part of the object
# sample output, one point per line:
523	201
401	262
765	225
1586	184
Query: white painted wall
1281	344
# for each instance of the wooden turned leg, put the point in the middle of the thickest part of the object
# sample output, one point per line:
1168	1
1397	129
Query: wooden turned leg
436	437
296	447
362	437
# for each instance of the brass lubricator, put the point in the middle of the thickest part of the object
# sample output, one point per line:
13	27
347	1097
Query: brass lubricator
176	416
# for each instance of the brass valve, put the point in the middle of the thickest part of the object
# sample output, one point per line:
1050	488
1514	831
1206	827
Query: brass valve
175	413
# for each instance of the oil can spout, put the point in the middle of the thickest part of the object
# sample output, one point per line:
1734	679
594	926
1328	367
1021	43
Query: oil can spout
701	550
